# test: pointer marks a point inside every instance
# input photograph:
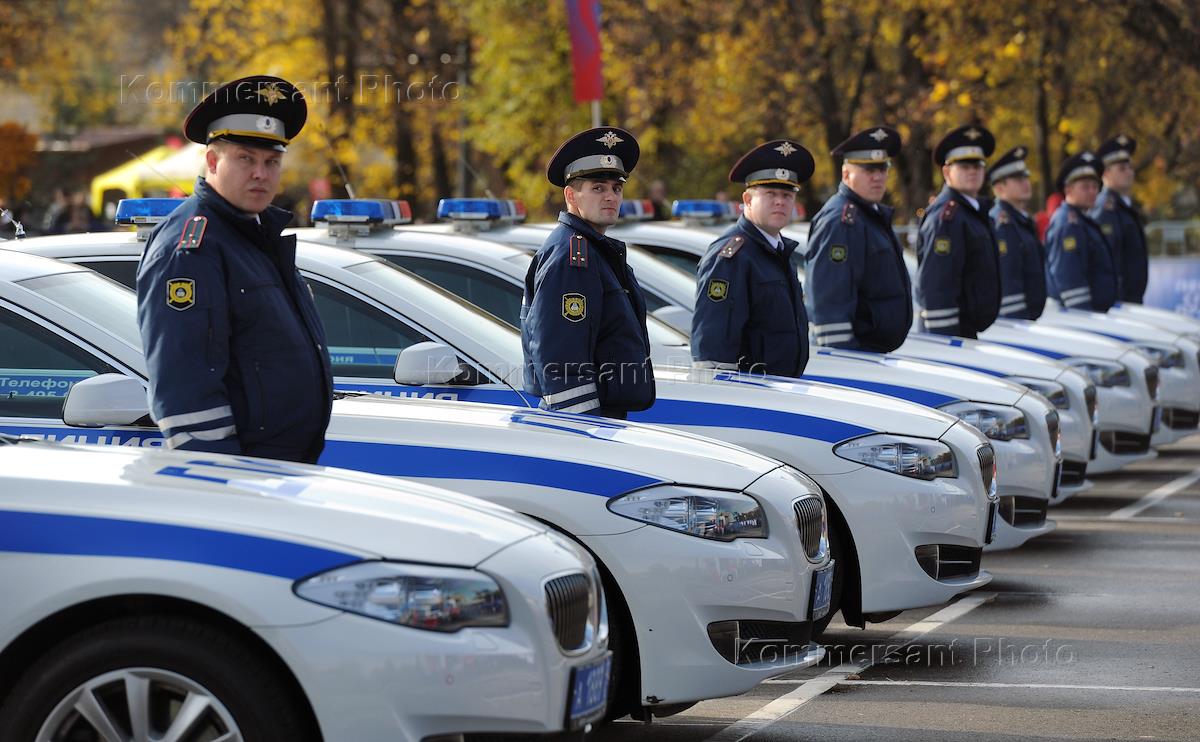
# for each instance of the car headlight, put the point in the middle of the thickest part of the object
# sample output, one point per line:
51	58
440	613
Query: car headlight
1163	356
919	458
999	422
1051	390
419	596
1101	373
714	514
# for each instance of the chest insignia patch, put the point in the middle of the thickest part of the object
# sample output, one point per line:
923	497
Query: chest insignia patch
574	307
1003	247
837	253
941	246
1068	243
181	293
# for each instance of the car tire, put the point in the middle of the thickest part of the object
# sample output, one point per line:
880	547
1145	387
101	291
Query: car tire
836	552
152	671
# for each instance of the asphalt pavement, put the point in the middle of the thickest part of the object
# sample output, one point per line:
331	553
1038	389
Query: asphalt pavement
1089	632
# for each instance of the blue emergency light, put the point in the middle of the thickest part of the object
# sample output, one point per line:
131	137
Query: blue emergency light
637	210
361	211
142	211
481	209
697	208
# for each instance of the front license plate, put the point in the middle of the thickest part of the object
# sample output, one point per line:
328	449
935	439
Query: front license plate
589	692
822	591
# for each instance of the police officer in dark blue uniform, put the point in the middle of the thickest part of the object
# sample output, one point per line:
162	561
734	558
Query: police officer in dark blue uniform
1119	218
234	347
583	319
958	268
859	294
749	305
1080	270
1022	257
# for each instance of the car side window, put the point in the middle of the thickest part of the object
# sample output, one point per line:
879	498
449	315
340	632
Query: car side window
493	294
677	258
123	272
38	368
363	341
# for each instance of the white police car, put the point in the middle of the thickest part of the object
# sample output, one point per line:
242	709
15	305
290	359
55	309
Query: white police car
872	455
154	595
743	538
1024	428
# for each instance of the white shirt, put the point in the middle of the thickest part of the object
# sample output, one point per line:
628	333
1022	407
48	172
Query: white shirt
974	202
774	242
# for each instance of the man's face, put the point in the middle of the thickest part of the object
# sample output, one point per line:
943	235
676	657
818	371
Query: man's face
597	201
1119	177
769	208
1082	192
247	177
1015	189
868	181
964	177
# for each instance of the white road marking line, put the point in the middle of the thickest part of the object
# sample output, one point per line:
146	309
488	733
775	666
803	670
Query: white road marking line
1155	496
1108	519
810	689
1034	686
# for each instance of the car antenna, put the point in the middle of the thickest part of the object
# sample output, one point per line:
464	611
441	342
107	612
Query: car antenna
333	156
487	191
157	172
18	228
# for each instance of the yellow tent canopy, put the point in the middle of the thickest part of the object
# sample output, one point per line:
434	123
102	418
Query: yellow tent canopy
160	172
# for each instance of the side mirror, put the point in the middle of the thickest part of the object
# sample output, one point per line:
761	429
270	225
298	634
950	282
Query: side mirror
427	363
107	399
677	317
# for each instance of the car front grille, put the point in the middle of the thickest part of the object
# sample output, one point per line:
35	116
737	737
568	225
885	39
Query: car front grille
1177	418
567	600
987	467
1152	381
1023	511
943	561
1089	400
1052	425
1073	473
1121	442
810	520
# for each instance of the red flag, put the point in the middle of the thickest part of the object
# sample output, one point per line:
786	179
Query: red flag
583	20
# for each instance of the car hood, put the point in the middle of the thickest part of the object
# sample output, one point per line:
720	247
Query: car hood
1052	341
594	454
327	509
916	381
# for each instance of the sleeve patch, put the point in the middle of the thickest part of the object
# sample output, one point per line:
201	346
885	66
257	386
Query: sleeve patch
1003	247
941	246
948	212
837	253
848	212
718	289
578	252
1106	228
574	307
193	233
181	293
1068	244
732	246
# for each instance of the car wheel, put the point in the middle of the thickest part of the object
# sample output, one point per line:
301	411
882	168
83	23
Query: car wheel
839	581
153	677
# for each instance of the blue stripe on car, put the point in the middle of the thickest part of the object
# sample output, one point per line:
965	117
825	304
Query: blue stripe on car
920	396
678	412
54	533
456	463
1040	351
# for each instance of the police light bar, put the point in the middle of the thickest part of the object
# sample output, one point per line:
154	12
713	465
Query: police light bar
481	209
699	209
143	211
637	210
365	211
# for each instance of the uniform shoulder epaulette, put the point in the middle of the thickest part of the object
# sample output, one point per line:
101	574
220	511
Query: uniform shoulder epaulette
578	252
1071	218
1002	216
730	248
193	233
1110	203
848	211
949	210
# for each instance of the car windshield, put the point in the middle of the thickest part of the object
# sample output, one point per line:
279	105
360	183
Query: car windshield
466	318
99	300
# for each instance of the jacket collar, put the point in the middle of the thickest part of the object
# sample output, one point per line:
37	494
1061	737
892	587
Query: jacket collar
1015	214
755	235
883	213
587	230
273	218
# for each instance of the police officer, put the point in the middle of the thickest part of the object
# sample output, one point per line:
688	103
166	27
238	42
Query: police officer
749	305
583	319
958	269
1080	271
1022	256
234	347
859	294
1119	218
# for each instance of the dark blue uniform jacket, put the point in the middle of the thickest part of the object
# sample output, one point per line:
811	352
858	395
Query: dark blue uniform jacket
583	325
859	293
1022	262
1080	271
958	268
234	347
1122	225
749	305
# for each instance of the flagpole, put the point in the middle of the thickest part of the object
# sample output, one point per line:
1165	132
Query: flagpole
595	114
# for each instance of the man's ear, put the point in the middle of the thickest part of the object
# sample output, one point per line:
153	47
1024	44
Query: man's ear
210	159
569	195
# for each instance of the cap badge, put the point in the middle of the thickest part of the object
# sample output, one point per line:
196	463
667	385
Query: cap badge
785	149
782	174
972	133
1087	157
610	139
608	161
265	123
1019	153
271	93
1122	140
878	135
